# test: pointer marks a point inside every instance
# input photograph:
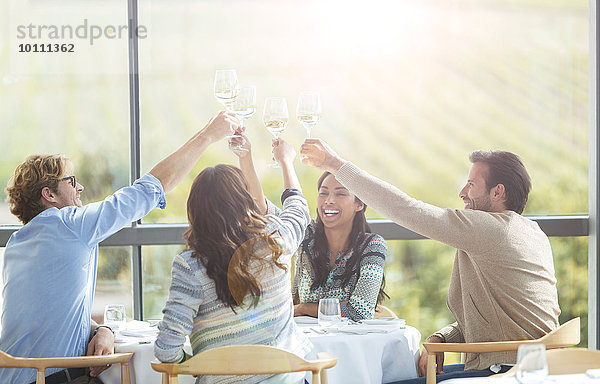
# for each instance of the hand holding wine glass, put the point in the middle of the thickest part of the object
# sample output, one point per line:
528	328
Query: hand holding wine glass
318	154
244	106
275	117
239	139
223	124
283	152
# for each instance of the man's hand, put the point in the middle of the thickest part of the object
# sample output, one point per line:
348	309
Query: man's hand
101	344
318	154
422	369
225	123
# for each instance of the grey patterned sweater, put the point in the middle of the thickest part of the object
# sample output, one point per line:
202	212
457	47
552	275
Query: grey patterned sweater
193	307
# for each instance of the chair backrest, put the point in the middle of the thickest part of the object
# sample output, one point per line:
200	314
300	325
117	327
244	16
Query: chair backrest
566	335
42	363
383	311
246	360
566	361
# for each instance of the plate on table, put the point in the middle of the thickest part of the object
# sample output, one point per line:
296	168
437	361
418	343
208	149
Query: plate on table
306	320
384	321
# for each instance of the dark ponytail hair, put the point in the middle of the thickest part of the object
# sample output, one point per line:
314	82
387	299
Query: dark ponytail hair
358	234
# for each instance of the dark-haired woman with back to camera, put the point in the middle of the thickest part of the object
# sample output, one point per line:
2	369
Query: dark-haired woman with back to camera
232	285
339	257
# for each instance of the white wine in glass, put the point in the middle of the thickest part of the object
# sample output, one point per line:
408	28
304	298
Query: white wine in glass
275	117
226	87
244	107
308	110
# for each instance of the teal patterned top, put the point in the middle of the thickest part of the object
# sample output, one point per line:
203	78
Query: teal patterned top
360	292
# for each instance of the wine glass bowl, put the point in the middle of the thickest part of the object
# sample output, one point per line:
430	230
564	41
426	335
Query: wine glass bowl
244	106
308	110
275	118
226	87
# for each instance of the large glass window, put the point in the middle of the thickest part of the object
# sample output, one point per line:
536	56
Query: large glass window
157	262
75	103
408	88
114	284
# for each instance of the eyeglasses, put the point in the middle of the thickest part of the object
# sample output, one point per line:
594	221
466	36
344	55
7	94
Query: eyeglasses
71	179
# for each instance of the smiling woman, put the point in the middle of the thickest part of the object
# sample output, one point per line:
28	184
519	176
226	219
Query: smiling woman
339	257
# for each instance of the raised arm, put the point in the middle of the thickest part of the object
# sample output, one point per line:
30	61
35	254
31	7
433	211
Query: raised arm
249	171
176	166
95	222
294	217
284	153
467	229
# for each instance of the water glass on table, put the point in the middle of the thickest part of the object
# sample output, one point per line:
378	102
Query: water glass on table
532	366
329	313
115	316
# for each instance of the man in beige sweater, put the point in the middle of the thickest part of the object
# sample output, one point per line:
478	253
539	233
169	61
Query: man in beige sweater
502	285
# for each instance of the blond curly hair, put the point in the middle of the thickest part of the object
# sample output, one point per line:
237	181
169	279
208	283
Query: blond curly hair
24	190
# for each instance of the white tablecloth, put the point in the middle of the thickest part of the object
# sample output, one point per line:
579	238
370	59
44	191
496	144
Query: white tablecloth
553	379
373	358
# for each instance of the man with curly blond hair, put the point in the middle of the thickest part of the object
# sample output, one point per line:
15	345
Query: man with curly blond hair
50	263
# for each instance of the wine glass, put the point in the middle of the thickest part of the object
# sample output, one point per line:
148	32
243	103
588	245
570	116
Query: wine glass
308	110
275	117
114	316
244	107
226	87
329	312
532	367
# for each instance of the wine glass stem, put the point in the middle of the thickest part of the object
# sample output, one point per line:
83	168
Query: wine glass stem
308	133
241	119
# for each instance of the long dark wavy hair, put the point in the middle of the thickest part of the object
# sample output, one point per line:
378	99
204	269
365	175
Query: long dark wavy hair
225	225
358	233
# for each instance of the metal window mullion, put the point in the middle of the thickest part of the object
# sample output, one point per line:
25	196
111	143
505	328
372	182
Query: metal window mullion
594	183
134	140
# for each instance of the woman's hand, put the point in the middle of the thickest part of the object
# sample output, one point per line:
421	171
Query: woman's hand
241	141
306	309
283	152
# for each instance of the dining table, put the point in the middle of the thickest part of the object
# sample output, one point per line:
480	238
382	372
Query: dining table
378	351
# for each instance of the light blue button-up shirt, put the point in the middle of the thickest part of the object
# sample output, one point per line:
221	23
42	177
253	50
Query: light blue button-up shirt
50	275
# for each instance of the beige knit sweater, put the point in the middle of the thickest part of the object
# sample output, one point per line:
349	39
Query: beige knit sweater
502	285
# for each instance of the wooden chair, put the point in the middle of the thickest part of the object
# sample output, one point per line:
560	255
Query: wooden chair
246	360
567	361
383	311
42	363
564	336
